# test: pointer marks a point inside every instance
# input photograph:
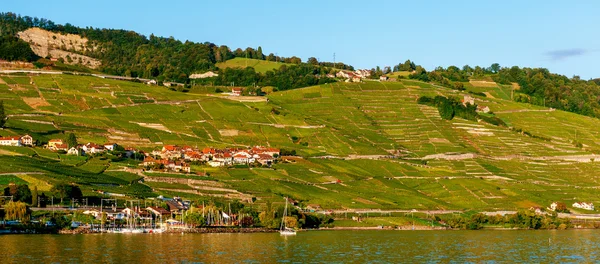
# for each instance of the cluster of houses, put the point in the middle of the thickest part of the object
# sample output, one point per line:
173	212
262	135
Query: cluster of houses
61	145
467	99
82	149
16	141
579	205
174	157
353	76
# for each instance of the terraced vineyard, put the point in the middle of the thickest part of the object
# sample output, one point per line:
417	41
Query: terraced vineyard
362	145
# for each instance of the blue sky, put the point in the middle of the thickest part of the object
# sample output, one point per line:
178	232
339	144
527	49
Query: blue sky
558	35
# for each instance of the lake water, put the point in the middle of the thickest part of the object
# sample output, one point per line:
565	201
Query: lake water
314	246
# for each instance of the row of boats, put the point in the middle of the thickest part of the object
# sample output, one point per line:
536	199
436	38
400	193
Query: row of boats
135	231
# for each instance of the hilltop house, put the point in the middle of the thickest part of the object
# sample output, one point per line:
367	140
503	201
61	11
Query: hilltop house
14	141
383	78
342	74
363	73
584	206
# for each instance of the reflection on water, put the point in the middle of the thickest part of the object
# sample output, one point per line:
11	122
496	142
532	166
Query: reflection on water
318	246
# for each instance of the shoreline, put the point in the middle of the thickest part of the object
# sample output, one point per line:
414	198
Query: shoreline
231	230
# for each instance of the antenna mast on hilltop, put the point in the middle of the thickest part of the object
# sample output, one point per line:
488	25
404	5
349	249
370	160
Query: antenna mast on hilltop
334	60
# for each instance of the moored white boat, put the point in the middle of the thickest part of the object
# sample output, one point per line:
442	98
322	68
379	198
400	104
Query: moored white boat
284	230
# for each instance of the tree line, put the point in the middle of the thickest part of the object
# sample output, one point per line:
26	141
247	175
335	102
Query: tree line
284	78
450	107
526	219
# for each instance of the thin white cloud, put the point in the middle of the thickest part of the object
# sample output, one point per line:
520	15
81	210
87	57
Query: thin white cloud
557	55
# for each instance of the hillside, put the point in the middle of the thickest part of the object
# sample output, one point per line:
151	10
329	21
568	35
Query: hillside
361	145
261	66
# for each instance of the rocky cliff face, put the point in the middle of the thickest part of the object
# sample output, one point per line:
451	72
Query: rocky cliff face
68	47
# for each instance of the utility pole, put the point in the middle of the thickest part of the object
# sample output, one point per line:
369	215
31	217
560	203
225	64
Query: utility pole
334	60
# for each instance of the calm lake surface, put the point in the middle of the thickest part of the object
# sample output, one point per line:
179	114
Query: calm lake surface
307	247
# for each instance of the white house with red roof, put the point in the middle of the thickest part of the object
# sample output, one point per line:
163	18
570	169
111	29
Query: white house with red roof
14	141
63	147
242	158
92	148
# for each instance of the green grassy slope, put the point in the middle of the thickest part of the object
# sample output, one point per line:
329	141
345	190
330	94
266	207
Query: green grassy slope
351	122
261	66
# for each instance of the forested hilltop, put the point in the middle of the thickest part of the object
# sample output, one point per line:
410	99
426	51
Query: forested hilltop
128	53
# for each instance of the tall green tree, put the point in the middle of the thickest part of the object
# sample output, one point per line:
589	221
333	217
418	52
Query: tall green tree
34	197
19	192
446	110
72	140
259	53
66	191
495	67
